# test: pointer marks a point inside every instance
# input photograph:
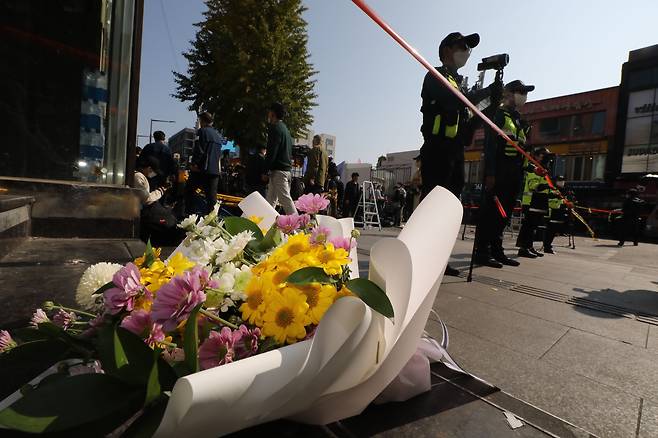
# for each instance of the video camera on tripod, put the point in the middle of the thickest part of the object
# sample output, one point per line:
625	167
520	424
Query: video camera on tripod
494	62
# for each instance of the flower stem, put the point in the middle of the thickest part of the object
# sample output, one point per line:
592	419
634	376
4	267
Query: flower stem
218	319
78	311
168	344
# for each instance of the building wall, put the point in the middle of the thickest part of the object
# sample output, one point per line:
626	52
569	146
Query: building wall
182	143
637	133
329	142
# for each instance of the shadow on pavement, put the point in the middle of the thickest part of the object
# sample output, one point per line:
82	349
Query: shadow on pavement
635	301
607	246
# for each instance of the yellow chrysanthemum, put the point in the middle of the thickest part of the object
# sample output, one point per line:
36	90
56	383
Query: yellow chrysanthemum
331	259
257	289
344	292
281	274
297	244
285	316
178	264
319	298
255	219
139	261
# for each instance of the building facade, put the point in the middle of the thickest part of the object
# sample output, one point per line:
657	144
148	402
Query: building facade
182	143
637	133
69	84
329	142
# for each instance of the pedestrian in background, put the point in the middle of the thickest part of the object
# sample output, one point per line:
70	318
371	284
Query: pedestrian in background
352	196
631	226
279	159
316	167
161	152
257	171
204	166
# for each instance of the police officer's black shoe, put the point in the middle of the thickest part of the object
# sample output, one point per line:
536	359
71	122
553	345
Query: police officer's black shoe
485	260
549	250
525	252
535	252
502	258
452	272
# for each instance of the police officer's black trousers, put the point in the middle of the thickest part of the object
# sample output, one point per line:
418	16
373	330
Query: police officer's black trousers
442	164
531	220
491	223
630	228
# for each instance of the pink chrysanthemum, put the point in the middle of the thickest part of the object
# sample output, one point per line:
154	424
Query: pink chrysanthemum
138	322
304	221
64	319
176	299
127	282
288	223
217	349
245	341
311	204
6	341
343	242
39	317
319	235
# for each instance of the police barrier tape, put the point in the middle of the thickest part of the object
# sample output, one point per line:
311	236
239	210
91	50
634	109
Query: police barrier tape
361	4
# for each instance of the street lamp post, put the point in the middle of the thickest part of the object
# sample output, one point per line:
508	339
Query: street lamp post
151	127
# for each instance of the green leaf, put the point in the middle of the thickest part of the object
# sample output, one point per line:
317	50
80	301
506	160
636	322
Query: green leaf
69	403
372	295
236	224
26	361
191	341
270	238
125	355
153	388
309	275
105	287
149	255
147	423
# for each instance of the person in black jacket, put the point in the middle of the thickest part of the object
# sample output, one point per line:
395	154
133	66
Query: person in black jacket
631	218
351	196
279	160
204	165
447	126
161	152
257	171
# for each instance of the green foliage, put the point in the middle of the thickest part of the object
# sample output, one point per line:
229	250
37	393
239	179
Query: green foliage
191	344
248	54
149	255
309	275
372	295
236	225
72	402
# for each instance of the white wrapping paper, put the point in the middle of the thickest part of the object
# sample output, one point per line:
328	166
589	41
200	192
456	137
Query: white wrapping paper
354	354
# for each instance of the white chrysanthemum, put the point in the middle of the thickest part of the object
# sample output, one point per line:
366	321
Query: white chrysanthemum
94	277
242	279
189	223
235	247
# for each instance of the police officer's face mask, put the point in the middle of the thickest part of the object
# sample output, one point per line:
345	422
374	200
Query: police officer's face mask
520	99
460	57
560	184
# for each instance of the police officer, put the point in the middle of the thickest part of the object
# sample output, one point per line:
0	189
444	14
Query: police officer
534	203
503	174
558	215
447	124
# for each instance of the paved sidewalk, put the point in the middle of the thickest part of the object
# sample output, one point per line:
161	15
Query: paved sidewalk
575	334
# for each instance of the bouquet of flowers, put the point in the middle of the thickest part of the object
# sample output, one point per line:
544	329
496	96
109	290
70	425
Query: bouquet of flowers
230	291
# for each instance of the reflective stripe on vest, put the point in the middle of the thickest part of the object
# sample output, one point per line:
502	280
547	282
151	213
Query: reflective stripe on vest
451	130
509	128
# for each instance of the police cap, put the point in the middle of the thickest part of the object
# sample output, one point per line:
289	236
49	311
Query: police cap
471	40
518	85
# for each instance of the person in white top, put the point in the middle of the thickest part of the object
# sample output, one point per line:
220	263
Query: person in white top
147	168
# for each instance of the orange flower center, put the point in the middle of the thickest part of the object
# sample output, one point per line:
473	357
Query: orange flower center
325	256
312	297
254	300
280	276
284	317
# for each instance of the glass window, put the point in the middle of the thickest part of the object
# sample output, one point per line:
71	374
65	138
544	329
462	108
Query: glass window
577	168
598	123
65	71
598	167
637	131
640	103
654	130
549	127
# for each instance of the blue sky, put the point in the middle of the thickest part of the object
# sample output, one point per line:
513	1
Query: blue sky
369	88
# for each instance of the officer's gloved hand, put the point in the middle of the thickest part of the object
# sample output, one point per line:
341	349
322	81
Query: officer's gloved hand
495	90
542	187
